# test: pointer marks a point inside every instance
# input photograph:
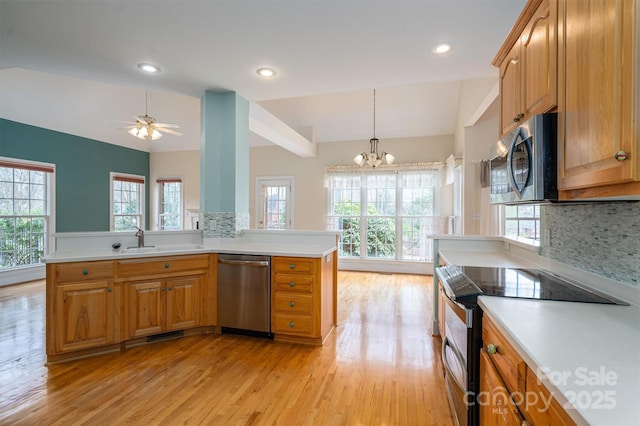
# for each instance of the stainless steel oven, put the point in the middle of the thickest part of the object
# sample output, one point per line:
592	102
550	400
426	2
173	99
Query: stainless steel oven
523	164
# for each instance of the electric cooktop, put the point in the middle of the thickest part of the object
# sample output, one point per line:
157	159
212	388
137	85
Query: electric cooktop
466	283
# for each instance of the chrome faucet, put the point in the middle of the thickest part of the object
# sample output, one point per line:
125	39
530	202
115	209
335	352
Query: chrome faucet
140	235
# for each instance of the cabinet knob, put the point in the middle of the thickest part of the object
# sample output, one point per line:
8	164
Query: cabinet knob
170	288
518	117
292	304
162	289
166	265
292	266
620	156
85	271
109	290
292	324
291	284
491	348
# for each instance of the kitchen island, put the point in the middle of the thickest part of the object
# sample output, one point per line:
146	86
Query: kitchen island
105	293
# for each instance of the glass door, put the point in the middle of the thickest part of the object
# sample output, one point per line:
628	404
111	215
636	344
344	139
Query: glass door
274	200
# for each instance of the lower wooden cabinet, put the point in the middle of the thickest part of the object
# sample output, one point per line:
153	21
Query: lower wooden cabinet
496	405
163	305
84	315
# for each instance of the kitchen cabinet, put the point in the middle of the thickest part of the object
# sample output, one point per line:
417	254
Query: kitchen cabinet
80	306
598	95
528	65
303	298
509	388
163	294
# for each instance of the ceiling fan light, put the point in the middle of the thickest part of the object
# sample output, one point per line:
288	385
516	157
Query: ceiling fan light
133	131
143	132
155	135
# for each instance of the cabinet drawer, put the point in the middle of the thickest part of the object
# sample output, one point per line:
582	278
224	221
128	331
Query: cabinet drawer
293	303
294	265
292	324
167	265
292	282
84	271
506	359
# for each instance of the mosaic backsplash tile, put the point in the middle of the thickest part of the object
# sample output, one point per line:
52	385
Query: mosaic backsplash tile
603	238
223	225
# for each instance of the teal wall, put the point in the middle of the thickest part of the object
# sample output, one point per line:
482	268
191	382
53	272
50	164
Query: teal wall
82	171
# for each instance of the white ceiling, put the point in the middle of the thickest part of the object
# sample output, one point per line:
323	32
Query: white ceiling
70	65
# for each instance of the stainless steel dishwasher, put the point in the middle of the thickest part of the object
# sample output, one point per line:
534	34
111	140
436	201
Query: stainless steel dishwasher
244	294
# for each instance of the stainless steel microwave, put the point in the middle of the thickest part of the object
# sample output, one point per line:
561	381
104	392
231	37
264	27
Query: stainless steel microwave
523	166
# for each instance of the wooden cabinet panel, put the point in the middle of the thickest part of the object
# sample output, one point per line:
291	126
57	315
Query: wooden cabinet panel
496	405
297	283
510	91
162	266
293	303
598	94
294	264
83	315
183	302
293	324
540	407
84	271
506	359
145	308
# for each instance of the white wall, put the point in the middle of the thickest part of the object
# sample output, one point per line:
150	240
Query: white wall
472	95
310	195
183	164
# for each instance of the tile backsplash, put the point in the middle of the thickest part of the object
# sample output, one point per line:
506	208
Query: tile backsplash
603	238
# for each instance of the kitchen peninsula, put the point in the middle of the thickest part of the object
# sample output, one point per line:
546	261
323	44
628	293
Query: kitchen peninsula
106	291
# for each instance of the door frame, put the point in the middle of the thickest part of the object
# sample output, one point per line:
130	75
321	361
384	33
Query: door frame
260	181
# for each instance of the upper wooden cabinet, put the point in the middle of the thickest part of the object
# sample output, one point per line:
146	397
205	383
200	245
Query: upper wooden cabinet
528	65
598	95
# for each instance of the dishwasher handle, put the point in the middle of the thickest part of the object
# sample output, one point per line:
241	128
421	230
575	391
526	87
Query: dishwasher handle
259	263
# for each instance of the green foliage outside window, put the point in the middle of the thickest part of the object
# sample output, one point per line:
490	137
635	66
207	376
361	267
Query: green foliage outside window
381	236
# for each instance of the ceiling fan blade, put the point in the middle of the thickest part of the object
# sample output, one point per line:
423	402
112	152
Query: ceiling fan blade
169	131
167	125
128	127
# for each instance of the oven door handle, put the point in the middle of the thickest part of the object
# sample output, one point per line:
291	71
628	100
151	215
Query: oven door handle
445	361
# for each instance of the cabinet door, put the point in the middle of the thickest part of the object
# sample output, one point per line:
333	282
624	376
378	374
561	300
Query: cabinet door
183	302
496	405
598	75
510	91
83	315
146	308
539	60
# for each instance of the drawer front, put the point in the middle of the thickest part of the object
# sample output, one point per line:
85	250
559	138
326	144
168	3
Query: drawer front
505	358
292	303
292	324
167	265
84	271
292	282
295	265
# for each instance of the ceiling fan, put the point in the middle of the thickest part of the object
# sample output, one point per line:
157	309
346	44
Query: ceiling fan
146	127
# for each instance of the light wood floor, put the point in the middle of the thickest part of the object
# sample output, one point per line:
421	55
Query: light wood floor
379	367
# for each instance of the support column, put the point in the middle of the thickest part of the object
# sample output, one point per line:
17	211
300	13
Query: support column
224	164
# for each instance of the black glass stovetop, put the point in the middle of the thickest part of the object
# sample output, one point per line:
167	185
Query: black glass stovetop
465	283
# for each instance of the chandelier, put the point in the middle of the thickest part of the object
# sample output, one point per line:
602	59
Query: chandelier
373	158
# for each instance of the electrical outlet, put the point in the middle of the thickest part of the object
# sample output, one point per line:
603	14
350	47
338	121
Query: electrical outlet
476	215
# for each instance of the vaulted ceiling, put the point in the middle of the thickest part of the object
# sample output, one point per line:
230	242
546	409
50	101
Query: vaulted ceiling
71	65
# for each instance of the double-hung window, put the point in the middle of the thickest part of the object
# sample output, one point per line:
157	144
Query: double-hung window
24	212
385	213
170	203
127	202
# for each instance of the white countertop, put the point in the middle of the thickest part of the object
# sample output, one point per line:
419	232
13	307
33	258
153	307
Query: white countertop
497	258
579	340
258	248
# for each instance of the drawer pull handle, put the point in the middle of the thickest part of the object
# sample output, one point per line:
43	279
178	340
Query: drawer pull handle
85	272
292	266
291	284
492	349
166	265
292	304
292	324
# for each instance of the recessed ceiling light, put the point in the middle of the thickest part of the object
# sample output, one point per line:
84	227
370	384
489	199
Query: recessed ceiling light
266	72
150	68
441	48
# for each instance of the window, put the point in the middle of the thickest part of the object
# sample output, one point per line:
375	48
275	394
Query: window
127	202
170	216
385	214
274	197
24	212
522	222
